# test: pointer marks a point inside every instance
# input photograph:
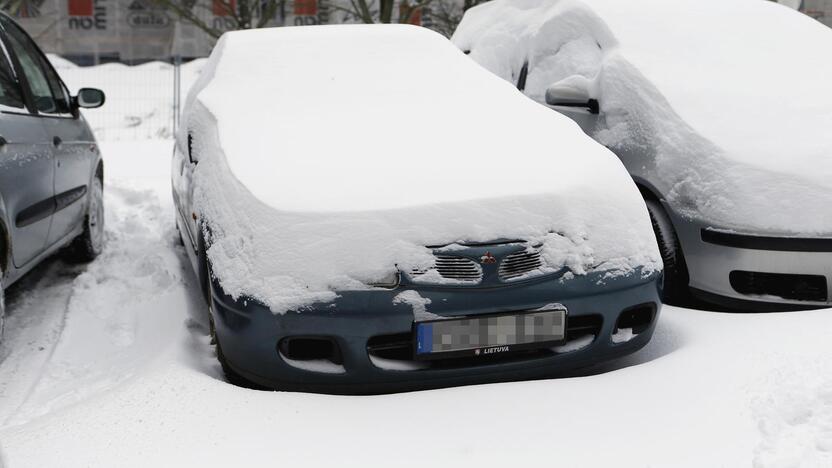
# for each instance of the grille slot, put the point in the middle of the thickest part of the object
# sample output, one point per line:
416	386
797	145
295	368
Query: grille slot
788	286
520	263
454	268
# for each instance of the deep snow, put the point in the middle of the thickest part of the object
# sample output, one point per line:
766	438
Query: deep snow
110	365
733	96
391	140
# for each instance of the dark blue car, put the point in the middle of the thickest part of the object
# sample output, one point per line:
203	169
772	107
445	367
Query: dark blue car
268	215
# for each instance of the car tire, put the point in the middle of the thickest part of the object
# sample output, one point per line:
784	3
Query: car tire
90	243
675	289
179	239
2	309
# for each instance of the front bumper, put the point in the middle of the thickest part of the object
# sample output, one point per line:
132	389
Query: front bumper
249	334
721	264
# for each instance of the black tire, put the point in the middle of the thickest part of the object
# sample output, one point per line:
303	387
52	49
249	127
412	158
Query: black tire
2	308
675	290
90	243
179	239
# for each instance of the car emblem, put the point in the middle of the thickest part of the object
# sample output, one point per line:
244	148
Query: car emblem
488	259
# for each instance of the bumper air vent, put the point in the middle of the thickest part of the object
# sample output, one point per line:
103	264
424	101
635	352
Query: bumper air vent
811	288
519	264
453	268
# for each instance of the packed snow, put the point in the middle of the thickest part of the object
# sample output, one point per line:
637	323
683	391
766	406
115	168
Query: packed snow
733	96
389	141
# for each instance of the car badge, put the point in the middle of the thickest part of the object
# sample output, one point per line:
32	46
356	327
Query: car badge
488	259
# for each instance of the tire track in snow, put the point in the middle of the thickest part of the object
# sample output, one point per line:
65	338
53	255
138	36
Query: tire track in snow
74	328
37	317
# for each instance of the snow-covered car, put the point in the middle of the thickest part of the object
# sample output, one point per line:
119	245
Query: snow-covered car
367	211
51	172
720	110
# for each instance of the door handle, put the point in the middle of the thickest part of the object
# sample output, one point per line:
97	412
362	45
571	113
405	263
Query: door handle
57	141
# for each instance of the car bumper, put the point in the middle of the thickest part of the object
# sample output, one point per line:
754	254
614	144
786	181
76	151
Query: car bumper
249	334
756	272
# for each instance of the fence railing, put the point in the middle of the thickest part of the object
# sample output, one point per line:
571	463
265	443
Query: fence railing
143	101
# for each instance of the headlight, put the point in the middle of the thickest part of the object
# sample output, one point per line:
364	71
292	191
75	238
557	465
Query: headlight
389	280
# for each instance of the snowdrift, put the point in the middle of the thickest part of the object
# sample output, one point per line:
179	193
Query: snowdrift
329	156
733	96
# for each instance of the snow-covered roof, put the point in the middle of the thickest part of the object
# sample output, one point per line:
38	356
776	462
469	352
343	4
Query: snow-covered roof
374	117
747	82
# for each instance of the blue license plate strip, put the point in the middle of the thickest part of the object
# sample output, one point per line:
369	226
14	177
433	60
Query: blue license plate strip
488	335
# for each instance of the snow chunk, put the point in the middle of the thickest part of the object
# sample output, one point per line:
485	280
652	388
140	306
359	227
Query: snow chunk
418	303
323	366
390	140
575	345
623	335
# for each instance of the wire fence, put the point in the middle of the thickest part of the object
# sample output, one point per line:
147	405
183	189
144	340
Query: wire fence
143	101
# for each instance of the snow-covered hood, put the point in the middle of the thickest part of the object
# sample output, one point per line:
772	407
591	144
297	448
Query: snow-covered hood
328	155
734	94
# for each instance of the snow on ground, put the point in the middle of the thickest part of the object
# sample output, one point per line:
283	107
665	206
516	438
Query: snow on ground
109	365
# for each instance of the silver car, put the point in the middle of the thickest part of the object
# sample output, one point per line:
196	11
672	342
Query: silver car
722	121
51	171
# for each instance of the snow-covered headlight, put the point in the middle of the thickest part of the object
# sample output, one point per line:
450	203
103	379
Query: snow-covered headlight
389	280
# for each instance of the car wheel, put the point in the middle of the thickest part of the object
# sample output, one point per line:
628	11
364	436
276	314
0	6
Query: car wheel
2	309
179	239
90	243
675	289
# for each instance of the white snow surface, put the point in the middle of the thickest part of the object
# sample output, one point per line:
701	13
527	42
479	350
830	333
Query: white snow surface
109	365
733	95
330	155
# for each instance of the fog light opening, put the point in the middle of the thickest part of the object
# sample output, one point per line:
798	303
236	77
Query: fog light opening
311	348
632	322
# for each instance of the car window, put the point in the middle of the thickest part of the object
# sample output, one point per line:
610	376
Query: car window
10	93
46	87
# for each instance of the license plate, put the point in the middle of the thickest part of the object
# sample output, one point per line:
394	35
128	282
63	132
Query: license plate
490	335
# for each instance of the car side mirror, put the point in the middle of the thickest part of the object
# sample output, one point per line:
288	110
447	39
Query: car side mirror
572	95
90	98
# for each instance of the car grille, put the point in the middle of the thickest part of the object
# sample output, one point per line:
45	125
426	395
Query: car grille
454	268
519	264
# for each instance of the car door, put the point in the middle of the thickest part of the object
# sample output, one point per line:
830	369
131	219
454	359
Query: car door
26	166
73	146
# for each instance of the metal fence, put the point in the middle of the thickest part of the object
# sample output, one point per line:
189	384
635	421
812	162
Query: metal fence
143	101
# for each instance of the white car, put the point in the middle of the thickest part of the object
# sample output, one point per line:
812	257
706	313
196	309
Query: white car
721	111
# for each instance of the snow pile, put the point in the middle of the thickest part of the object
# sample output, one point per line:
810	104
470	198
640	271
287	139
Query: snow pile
139	98
732	96
319	175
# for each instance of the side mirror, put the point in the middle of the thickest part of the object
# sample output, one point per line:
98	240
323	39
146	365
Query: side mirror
90	98
572	94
